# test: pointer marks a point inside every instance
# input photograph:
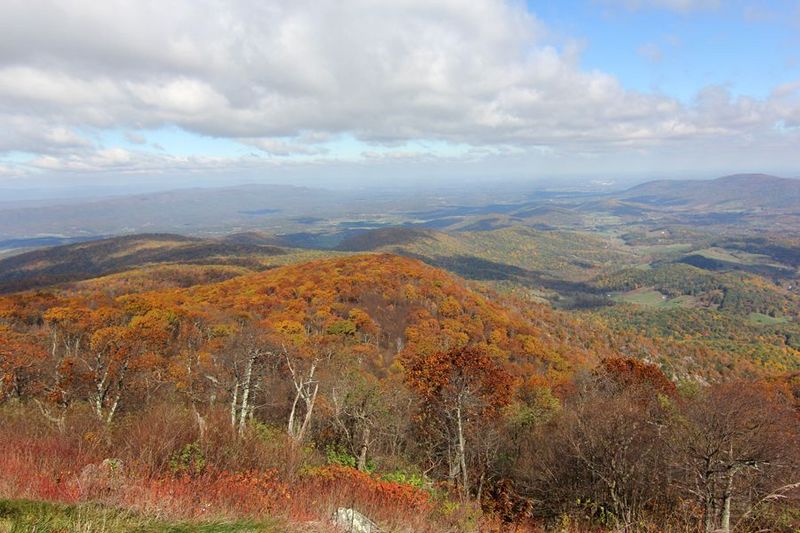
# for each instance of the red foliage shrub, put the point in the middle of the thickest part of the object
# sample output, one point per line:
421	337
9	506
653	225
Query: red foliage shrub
255	493
43	463
363	486
629	372
41	469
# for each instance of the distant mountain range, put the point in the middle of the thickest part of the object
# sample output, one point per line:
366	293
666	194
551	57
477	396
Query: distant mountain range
308	217
739	191
184	210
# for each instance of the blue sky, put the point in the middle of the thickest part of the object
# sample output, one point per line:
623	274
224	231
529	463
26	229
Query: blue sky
350	91
749	47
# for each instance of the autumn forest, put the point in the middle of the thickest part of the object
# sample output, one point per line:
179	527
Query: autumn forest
377	382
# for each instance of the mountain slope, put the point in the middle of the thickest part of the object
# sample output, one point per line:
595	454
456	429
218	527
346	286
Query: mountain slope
390	305
95	258
739	191
384	306
383	237
381	306
524	254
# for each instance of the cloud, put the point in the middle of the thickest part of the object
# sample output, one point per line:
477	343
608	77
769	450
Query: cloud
8	171
121	161
135	138
280	147
285	76
32	133
683	6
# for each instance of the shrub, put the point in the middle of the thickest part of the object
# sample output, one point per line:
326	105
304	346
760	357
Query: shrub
190	461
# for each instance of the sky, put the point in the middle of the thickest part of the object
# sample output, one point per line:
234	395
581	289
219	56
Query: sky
358	92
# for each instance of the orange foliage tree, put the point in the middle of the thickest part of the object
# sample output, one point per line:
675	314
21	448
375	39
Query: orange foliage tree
460	387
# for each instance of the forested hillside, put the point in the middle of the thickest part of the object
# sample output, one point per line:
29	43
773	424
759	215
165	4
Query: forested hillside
383	383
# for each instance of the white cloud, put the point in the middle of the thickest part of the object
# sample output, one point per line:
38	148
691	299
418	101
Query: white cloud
8	171
32	133
286	75
121	161
135	138
280	147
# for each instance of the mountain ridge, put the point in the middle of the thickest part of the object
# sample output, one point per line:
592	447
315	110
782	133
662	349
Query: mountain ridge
742	191
89	259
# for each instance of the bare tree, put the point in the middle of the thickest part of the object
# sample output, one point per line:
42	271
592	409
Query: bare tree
246	358
734	445
604	455
303	366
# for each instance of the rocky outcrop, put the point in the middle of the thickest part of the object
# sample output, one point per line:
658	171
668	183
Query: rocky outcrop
352	521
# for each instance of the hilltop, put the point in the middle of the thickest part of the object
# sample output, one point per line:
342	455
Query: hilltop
385	237
400	305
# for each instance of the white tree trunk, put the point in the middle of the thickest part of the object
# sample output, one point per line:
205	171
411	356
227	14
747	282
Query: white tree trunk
248	378
462	459
310	401
234	404
305	392
725	523
113	409
362	453
291	429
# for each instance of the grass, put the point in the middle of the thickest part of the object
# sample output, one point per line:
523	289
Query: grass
649	297
645	296
47	485
737	257
720	254
766	320
17	516
663	250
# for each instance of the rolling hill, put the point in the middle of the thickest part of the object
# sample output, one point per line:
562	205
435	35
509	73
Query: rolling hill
73	262
382	237
553	260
